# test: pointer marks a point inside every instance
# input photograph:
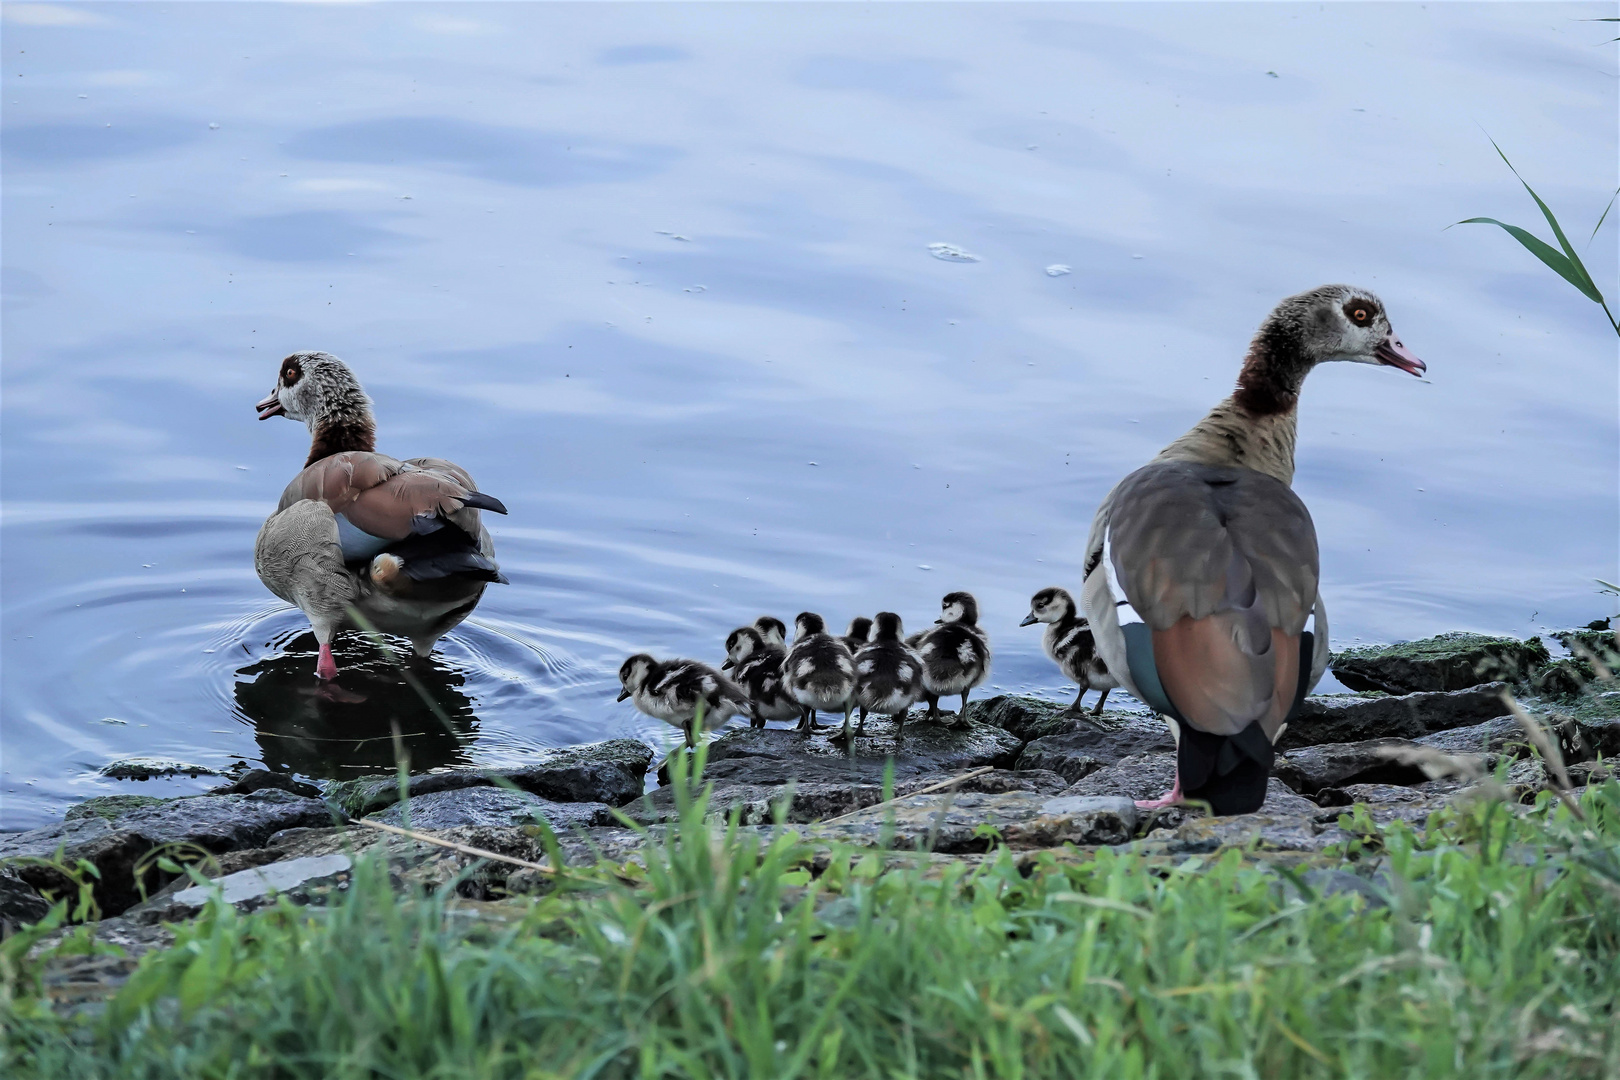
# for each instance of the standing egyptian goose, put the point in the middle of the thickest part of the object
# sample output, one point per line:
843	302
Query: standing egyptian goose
818	671
955	652
398	542
1069	642
1201	567
758	670
888	674
678	691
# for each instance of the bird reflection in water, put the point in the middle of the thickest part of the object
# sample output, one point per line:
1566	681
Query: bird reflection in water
343	728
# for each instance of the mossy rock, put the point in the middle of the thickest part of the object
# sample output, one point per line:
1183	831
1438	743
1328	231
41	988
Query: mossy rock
108	807
1603	644
1563	679
1452	661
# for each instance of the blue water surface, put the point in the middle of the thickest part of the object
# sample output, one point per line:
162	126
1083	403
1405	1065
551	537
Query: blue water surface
660	277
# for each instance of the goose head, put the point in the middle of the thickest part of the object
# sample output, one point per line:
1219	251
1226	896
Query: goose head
1049	606
312	386
860	628
958	607
772	630
633	673
1327	324
887	627
741	643
808	623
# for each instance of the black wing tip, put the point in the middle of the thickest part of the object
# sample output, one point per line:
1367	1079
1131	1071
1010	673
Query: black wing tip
479	501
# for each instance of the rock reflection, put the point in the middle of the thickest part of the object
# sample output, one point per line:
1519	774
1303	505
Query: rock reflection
345	728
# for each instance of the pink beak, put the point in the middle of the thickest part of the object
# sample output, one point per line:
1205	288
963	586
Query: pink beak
270	406
1393	353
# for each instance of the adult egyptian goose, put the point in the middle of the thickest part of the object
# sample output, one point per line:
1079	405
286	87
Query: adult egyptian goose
955	652
398	542
888	674
1201	569
758	670
818	671
677	691
1069	642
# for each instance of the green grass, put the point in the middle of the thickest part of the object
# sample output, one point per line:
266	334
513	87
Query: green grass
1500	956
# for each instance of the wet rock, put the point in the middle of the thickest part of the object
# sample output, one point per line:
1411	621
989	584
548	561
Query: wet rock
1335	765
20	904
1604	645
147	768
492	807
1582	773
260	779
1491	739
1026	717
301	880
79	984
1563	679
215	823
612	772
1264	832
1282	800
1600	733
1339	718
1448	662
958	823
759	769
1351	794
1528	776
1092	744
110	807
1136	776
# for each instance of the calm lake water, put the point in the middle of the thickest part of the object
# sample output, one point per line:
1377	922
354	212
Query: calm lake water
660	277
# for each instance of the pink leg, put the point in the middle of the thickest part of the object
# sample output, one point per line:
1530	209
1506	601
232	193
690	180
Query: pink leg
1169	798
326	667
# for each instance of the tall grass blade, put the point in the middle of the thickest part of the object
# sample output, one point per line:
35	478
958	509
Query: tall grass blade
1543	251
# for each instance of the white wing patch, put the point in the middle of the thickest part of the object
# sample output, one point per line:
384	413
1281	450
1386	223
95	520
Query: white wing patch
966	653
805	667
708	684
845	666
903	673
865	667
1124	611
927	648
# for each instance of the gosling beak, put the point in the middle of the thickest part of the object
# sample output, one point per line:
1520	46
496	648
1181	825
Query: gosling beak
728	665
1395	354
1029	619
939	622
623	694
270	406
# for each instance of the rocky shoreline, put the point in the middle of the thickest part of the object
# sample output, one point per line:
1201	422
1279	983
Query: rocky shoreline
1017	772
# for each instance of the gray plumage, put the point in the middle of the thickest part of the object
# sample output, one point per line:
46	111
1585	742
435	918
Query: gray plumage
818	671
756	666
674	690
1069	643
955	652
888	673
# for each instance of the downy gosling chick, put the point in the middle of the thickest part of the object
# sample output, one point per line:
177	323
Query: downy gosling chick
674	690
955	652
1068	641
859	633
818	672
888	674
757	668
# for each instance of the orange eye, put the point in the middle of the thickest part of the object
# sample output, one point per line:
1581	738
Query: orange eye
1360	315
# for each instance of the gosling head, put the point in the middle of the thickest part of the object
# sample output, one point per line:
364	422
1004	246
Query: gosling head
808	623
771	630
1049	606
886	626
860	629
741	643
958	607
633	673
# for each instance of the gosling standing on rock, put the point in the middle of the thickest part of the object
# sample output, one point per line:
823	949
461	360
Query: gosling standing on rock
398	542
757	668
888	674
675	690
818	672
1069	642
955	652
1202	579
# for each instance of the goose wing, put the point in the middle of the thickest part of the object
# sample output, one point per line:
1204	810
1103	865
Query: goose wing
391	499
1218	568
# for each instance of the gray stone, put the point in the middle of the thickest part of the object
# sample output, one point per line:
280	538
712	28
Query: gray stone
758	769
492	807
20	904
1137	776
147	768
1493	739
612	772
110	807
1262	832
249	889
1340	718
215	823
1582	773
1028	718
1282	800
259	779
1327	882
1351	794
1312	768
1090	745
970	822
1447	662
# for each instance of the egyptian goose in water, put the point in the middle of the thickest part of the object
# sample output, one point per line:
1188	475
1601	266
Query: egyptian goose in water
888	673
758	670
1201	569
675	691
955	652
398	542
1070	644
818	671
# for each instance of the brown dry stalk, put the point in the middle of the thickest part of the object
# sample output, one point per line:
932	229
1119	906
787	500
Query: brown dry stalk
953	781
1550	755
468	849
